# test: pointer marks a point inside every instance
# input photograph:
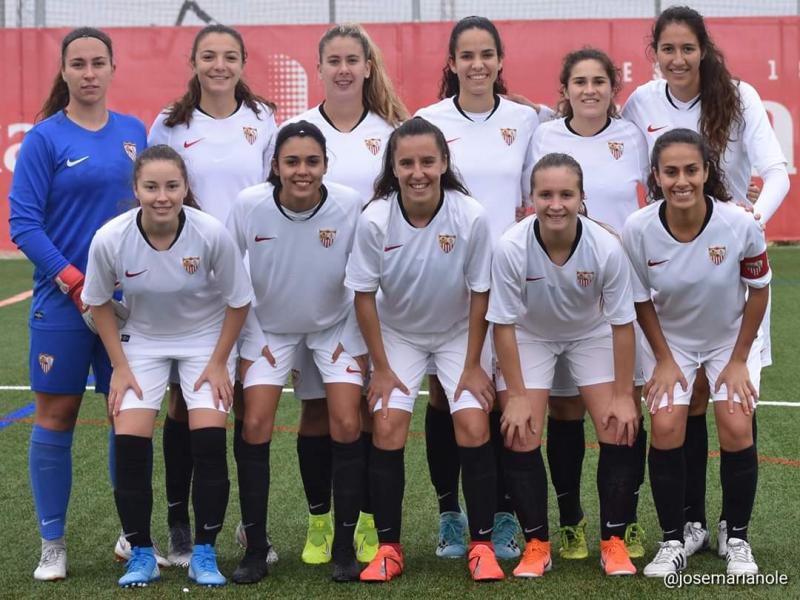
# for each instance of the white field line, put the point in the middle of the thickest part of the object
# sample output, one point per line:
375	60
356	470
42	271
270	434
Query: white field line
16	298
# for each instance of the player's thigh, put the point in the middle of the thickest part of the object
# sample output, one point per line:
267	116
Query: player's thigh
344	410
688	363
449	355
409	361
565	403
537	361
137	415
204	409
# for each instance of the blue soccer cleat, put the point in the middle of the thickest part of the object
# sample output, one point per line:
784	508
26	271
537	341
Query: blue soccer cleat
203	566
141	568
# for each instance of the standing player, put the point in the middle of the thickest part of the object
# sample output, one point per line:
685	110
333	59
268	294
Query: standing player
612	153
698	93
223	131
420	269
188	295
72	175
294	224
561	289
489	138
694	240
358	114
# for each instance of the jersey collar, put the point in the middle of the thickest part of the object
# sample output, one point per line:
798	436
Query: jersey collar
578	234
571	130
686	106
323	196
466	116
181	222
662	215
433	216
328	119
238	106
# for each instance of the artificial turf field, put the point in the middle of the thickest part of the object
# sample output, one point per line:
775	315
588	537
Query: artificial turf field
93	524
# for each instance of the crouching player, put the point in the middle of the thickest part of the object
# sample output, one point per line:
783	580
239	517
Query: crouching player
561	286
188	294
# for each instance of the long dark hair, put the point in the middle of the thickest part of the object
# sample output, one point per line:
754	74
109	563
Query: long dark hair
164	152
180	112
449	84
58	98
714	185
564	107
297	129
722	110
387	182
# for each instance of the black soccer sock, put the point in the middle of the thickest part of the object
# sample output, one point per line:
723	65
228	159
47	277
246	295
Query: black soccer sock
314	456
526	479
668	480
695	448
616	482
366	448
178	468
211	484
478	478
387	482
348	479
739	477
252	466
134	491
640	446
503	494
443	461
566	446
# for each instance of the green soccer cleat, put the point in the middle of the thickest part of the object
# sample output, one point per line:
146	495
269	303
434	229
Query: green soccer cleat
319	538
634	540
366	538
573	541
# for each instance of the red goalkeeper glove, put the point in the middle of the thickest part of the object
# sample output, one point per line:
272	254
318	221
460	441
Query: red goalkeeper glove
70	281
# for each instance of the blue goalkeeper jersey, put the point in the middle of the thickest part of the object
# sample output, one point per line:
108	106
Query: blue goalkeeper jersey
68	181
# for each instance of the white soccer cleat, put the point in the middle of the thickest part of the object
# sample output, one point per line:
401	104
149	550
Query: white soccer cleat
670	558
180	545
695	538
53	562
740	558
122	551
241	539
722	539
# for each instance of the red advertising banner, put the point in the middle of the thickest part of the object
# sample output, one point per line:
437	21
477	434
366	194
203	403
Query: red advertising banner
153	68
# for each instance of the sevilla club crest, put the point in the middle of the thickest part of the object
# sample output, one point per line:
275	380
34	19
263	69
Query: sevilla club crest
373	145
130	149
447	242
46	362
191	263
250	134
509	135
717	254
585	278
327	237
616	149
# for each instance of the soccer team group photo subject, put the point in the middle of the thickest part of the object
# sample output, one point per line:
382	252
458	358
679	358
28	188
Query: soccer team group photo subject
531	264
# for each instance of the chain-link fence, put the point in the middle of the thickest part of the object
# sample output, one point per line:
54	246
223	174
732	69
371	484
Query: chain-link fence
127	13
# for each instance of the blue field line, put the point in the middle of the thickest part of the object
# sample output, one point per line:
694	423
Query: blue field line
15	415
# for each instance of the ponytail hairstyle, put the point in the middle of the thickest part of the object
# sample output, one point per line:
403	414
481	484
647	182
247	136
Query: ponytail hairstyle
715	184
378	94
722	111
59	92
449	84
166	153
298	129
564	108
180	113
387	182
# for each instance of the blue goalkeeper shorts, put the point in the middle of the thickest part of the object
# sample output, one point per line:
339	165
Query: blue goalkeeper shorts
59	361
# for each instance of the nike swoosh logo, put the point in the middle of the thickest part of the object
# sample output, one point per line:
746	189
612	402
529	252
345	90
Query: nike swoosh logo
262	238
485	531
611	525
190	144
671	531
534	278
561	495
534	529
246	525
72	163
350	369
48	521
450	141
651	129
739	528
390	248
212	528
384	530
313	506
171	504
127	535
655	263
129	274
445	495
353	524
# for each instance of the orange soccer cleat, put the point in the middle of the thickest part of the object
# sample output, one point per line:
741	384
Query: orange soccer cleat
387	564
483	564
535	560
614	557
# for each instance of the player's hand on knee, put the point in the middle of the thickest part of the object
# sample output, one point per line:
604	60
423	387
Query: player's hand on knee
475	381
517	421
122	380
621	412
666	374
381	385
736	379
217	377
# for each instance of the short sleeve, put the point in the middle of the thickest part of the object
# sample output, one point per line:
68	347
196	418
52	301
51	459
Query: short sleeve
229	272
640	282
363	273
505	299
101	276
617	302
159	133
478	263
754	267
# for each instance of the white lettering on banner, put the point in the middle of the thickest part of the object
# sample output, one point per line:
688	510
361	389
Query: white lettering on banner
627	72
773	72
10	155
784	130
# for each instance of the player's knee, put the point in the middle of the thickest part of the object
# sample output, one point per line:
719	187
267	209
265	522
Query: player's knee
667	433
471	431
735	434
386	436
345	428
257	427
566	408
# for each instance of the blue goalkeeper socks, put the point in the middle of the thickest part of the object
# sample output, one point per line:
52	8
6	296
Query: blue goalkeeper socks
50	467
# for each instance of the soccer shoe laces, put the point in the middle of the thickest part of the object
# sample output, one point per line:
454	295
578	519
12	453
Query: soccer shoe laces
740	552
450	531
569	535
666	553
504	530
139	561
634	534
51	555
206	562
616	550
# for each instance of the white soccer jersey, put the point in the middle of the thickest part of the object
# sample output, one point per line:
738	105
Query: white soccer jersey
177	297
574	301
698	287
355	158
492	156
753	146
223	156
613	161
297	263
423	275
